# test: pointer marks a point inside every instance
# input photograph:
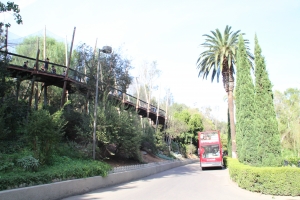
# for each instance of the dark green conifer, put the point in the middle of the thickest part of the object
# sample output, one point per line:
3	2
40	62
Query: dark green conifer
268	136
245	126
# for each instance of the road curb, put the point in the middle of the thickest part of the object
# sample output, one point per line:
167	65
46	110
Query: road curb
68	188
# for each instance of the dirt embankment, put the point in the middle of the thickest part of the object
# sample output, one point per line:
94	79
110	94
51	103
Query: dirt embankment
147	158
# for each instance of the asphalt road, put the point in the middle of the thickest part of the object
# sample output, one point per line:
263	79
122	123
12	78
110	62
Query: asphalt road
182	183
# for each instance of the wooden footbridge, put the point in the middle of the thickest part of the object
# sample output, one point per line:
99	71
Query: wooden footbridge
74	81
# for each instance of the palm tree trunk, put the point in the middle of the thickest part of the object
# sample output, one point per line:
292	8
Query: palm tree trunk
231	111
228	82
232	125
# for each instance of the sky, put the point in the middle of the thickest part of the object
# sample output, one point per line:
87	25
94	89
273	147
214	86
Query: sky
170	32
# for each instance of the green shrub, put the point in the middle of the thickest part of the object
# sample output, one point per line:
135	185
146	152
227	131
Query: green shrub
189	149
148	143
78	127
4	130
160	141
129	135
6	166
175	146
72	150
225	161
266	180
293	161
9	162
63	169
28	163
43	133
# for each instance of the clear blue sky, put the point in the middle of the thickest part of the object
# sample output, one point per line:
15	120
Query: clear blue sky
170	32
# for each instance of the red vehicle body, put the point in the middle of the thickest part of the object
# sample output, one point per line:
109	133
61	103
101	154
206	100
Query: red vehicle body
210	149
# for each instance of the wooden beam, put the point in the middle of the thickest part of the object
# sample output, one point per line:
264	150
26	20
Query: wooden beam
67	71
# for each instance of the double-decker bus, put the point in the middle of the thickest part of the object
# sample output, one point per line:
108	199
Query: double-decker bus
210	149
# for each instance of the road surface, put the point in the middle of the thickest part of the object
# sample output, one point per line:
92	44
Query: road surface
181	183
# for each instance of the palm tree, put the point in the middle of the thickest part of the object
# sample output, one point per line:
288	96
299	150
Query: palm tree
220	57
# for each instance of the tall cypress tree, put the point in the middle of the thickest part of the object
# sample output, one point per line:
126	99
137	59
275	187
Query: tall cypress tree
267	126
245	126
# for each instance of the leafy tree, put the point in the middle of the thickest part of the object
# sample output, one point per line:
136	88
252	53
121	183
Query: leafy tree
4	130
120	129
10	111
185	126
11	7
8	7
118	71
151	140
55	50
220	57
246	134
224	141
130	135
177	108
184	116
267	126
195	125
148	74
160	143
56	54
114	71
287	110
78	127
43	132
176	127
208	124
6	84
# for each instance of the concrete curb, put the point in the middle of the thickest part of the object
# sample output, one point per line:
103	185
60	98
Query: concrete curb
64	189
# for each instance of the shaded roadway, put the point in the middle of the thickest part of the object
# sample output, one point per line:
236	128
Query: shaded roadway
186	182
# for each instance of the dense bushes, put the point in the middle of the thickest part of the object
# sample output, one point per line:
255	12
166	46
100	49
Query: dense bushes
119	128
189	149
148	139
43	133
65	168
266	180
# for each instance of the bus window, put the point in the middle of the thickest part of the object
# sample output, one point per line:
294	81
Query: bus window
211	151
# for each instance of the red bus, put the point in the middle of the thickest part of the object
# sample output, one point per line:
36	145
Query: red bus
210	149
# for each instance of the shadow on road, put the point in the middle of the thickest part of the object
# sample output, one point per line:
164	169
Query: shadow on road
213	168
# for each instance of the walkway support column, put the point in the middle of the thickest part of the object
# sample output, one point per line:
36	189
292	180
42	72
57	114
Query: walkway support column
138	95
36	68
18	89
36	96
166	112
45	94
66	75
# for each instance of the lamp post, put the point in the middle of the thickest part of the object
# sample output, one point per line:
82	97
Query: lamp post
107	50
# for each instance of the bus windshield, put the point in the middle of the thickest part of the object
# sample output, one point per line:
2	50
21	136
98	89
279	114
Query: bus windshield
210	151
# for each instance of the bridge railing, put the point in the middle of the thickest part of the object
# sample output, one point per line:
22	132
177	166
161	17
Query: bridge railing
18	60
134	101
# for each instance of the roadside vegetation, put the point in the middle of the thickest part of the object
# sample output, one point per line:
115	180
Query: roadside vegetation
281	181
44	142
265	137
